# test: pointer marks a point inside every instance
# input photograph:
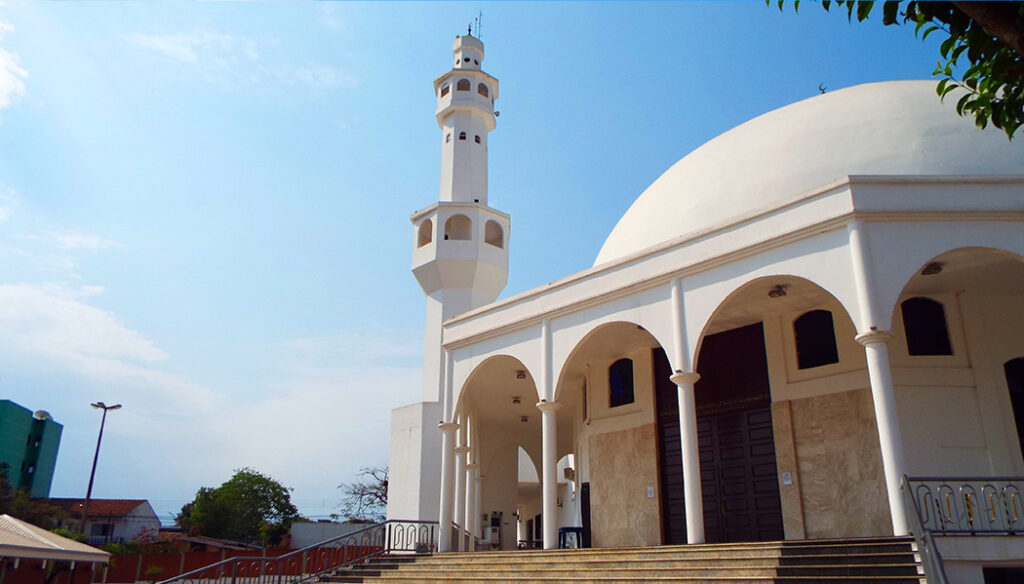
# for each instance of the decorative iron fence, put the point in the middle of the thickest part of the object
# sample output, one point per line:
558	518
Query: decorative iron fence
968	505
307	563
960	506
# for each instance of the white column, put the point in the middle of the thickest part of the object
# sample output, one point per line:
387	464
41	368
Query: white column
445	516
448	428
883	395
876	349
692	495
472	517
460	493
685	379
549	479
478	506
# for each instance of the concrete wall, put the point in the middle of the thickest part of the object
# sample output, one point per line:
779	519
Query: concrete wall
499	465
307	533
621	457
414	482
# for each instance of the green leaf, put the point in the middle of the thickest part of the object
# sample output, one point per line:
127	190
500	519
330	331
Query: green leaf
890	10
864	9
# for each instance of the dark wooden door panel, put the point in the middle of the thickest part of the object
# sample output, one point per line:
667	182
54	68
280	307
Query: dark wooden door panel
670	457
737	445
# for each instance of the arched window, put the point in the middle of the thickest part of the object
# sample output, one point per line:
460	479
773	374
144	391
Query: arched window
620	383
924	322
815	339
493	234
463	85
445	89
1014	370
425	234
476	138
482	90
462	135
458	227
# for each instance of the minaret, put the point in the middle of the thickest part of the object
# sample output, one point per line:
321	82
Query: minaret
460	255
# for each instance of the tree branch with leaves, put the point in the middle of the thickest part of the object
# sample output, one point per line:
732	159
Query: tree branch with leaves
988	36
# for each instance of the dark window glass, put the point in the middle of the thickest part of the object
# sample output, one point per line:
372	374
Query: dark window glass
924	322
620	383
1014	369
815	339
477	139
462	135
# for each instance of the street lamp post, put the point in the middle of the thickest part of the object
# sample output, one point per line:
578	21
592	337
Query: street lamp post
92	475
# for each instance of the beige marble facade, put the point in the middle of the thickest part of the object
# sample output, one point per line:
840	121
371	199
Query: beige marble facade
623	467
838	479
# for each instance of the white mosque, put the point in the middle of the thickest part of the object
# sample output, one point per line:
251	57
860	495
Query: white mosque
812	326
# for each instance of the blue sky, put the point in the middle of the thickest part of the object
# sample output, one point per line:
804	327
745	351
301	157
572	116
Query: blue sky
204	206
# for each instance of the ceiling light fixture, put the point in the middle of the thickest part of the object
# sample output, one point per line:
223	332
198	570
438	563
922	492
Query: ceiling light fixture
520	374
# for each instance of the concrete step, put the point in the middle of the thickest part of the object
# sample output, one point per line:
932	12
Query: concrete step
569	562
854	561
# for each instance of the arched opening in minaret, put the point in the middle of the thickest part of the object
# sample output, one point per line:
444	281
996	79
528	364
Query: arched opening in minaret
463	85
425	233
458	227
482	90
444	89
494	234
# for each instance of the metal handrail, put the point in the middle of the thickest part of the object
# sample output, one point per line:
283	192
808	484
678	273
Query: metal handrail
304	564
960	506
931	558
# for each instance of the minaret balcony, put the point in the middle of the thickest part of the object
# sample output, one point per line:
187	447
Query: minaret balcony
460	246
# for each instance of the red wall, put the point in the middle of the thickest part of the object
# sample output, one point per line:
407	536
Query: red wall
124	569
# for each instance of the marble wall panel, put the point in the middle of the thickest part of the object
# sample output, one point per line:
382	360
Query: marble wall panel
840	466
623	465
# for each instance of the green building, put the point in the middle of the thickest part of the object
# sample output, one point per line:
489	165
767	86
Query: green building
28	444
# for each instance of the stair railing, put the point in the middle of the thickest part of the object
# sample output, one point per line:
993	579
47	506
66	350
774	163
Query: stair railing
961	506
309	562
931	558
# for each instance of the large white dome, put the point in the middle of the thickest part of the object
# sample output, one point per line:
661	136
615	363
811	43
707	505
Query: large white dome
890	128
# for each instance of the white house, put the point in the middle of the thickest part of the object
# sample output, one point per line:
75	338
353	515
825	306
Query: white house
111	520
794	317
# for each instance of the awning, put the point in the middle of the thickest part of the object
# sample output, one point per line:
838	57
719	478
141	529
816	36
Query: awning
24	540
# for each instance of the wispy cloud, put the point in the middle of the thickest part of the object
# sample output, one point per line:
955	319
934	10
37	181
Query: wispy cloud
8	202
78	241
237	60
53	323
187	46
12	75
330	16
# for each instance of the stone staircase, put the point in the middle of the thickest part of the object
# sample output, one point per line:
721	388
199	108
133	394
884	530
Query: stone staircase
851	561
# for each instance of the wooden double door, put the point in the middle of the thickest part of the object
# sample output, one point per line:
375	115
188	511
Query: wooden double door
739	478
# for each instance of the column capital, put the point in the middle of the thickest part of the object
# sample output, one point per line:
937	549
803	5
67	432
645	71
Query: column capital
684	377
546	406
448	426
873	336
472	466
461	449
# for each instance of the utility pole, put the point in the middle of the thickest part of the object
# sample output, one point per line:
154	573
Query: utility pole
92	475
